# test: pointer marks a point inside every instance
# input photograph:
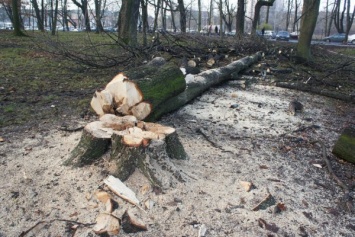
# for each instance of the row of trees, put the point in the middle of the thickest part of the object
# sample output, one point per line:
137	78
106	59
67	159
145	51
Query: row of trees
131	10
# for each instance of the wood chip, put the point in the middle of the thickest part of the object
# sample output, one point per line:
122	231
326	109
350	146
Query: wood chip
102	196
246	185
107	223
119	188
2	139
131	223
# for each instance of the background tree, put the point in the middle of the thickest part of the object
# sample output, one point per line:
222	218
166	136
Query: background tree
258	5
288	13
199	22
295	16
54	15
16	4
349	20
240	17
83	5
144	6
182	11
227	13
127	22
156	13
99	5
308	22
40	23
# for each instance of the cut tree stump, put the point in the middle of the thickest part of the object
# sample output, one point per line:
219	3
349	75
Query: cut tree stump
344	148
148	146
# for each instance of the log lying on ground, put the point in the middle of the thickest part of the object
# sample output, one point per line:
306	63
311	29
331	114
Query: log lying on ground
317	90
140	90
201	82
344	148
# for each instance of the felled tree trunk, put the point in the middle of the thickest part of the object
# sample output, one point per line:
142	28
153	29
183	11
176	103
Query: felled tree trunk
140	91
345	146
197	84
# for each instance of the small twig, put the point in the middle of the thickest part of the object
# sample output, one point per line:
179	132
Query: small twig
203	133
71	129
51	221
336	178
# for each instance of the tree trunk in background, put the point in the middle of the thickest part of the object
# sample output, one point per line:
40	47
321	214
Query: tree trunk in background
240	18
163	15
84	9
308	23
199	16
144	6
210	16
295	19
182	11
349	20
156	13
54	17
288	14
98	16
220	18
65	15
128	19
258	6
16	18
267	15
339	16
38	15
172	12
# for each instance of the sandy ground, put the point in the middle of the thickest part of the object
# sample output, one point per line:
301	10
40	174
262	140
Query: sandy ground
249	137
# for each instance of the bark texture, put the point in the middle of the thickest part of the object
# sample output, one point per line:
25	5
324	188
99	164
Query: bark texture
198	84
308	23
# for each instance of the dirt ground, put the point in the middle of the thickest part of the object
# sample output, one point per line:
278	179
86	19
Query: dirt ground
248	136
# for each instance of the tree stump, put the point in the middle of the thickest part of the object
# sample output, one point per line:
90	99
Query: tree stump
344	148
148	146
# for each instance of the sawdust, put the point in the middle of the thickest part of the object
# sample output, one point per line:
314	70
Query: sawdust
253	140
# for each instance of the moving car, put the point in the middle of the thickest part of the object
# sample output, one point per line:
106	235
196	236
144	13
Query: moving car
340	37
283	35
351	39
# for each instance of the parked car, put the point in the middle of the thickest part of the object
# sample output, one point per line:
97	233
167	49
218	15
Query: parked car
269	34
283	35
294	35
231	33
340	37
351	39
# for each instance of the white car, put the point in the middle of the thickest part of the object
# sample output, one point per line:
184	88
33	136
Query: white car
351	39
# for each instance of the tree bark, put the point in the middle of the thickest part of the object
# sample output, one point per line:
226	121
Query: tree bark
134	144
16	18
308	23
182	11
38	15
240	18
200	83
84	8
128	19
